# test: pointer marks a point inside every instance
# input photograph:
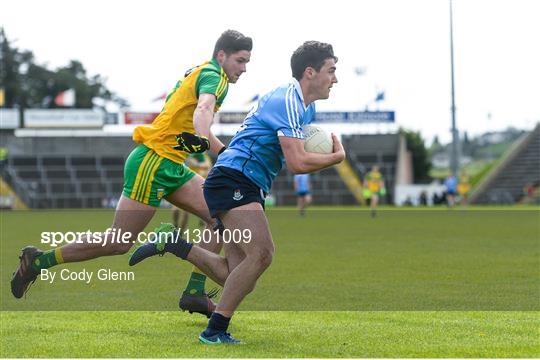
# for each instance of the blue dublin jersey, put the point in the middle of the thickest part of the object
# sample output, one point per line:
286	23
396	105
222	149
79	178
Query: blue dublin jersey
302	182
255	149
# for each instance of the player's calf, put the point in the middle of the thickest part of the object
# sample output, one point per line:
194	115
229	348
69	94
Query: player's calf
120	248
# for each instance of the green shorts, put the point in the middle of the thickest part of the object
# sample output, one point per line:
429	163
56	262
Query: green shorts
149	177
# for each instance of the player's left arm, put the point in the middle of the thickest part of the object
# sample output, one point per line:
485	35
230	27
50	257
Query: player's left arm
203	117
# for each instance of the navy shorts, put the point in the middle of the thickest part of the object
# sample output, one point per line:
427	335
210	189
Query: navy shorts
303	193
225	189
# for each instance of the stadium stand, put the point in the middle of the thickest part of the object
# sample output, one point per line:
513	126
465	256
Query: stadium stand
67	172
519	167
363	151
327	187
65	182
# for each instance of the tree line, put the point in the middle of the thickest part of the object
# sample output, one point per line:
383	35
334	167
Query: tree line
27	84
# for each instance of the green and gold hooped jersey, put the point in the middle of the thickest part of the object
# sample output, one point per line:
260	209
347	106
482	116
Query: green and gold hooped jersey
177	114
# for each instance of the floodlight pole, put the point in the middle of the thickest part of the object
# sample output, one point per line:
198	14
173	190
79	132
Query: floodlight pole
454	164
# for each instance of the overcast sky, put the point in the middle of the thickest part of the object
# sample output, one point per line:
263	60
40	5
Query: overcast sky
144	47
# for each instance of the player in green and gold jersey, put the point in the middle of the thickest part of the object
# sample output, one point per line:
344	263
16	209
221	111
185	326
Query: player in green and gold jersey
155	169
374	182
463	188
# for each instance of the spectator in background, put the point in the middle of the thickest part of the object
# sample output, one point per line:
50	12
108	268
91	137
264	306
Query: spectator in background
436	199
528	191
422	199
408	201
451	187
302	186
439	199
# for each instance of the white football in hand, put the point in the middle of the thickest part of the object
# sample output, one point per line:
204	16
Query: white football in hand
317	140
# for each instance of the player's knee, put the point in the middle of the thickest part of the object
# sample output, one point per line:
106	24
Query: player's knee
264	256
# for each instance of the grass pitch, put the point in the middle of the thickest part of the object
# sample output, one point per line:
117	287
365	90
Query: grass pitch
272	334
408	283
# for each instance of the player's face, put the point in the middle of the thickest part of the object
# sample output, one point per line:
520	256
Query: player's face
234	64
325	79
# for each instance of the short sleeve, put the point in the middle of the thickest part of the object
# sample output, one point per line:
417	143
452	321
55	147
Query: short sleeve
287	115
210	82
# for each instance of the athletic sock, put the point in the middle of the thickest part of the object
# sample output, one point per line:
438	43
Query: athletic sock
217	324
178	246
196	282
48	259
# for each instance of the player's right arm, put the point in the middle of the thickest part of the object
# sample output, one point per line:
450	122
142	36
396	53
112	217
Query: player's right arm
285	114
299	161
209	88
203	118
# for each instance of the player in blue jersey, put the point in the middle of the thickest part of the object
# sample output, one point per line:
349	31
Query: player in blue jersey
302	186
451	184
242	176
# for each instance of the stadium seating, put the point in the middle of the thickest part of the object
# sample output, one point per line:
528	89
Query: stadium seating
51	180
363	151
65	181
327	187
505	184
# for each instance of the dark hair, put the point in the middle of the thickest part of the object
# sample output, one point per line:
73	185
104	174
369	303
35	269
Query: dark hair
310	54
232	41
